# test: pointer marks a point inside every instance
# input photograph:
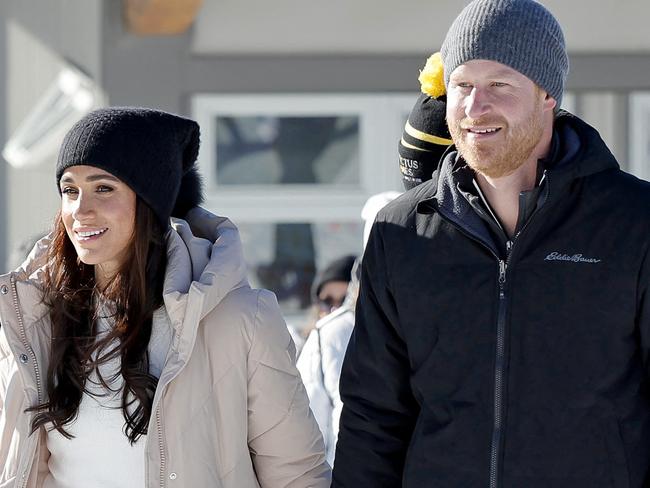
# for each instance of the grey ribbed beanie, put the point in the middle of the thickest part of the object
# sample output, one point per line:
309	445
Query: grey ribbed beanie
521	34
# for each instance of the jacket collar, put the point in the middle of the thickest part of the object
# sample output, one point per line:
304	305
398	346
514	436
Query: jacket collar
204	263
577	150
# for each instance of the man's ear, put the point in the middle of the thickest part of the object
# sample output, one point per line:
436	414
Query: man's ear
550	103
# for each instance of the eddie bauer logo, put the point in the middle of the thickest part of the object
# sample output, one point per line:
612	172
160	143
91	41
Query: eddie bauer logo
576	258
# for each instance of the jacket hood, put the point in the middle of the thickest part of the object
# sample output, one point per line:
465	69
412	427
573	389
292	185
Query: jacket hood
581	151
204	263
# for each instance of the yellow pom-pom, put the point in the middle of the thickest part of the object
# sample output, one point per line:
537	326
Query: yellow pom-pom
432	77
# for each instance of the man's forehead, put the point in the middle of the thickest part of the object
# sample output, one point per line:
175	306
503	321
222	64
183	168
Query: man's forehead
485	67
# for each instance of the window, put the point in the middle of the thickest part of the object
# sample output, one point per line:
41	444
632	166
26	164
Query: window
293	172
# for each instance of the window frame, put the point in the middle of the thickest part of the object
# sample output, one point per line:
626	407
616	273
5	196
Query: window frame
381	119
639	133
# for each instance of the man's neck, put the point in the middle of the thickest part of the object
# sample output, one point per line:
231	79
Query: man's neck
503	193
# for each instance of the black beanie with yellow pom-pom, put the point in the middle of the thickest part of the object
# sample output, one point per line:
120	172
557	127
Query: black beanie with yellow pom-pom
426	136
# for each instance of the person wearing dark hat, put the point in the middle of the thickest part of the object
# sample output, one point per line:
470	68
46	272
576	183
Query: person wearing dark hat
133	351
502	334
331	285
426	136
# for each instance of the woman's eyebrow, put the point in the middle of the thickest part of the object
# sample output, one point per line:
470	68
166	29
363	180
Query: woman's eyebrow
101	177
91	178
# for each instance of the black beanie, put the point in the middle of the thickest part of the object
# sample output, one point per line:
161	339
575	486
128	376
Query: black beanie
338	270
153	152
424	140
426	136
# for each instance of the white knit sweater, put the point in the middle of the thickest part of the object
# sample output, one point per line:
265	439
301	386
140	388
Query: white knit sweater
100	455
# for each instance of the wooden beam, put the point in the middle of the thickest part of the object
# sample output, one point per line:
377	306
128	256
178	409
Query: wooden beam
160	17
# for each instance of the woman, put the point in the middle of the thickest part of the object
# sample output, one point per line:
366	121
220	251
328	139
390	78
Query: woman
132	351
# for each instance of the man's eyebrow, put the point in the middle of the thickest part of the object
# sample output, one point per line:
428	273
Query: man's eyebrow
91	178
501	72
496	73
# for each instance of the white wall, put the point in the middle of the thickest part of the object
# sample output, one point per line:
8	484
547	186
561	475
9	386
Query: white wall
41	37
390	27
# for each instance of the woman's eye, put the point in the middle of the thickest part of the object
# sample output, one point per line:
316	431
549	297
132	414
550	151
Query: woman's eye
68	191
104	189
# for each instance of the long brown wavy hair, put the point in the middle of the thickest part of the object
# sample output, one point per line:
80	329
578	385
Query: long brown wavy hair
72	295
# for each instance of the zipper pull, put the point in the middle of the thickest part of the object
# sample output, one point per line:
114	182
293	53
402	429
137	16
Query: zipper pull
508	246
502	277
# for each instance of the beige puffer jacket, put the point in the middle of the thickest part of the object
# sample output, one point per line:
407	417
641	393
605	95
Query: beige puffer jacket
230	410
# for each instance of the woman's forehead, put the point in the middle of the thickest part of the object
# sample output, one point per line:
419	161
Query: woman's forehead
82	172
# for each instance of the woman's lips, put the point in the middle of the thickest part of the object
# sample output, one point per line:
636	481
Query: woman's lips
87	235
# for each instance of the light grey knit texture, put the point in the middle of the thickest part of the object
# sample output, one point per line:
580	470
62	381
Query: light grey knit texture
521	34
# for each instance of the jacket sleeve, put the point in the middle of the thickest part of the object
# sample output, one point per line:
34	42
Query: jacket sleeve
379	411
333	353
284	440
643	311
5	368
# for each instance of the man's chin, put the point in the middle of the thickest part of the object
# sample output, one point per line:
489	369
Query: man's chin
494	173
495	169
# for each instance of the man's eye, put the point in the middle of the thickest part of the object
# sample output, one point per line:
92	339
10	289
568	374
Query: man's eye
499	84
104	189
68	191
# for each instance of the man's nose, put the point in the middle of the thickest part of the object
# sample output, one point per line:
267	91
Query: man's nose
476	104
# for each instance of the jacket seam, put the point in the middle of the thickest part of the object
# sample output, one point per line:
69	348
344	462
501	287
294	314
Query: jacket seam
254	334
286	414
383	254
639	282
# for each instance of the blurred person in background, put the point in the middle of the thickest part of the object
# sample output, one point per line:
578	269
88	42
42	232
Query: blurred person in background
331	285
328	292
321	358
133	351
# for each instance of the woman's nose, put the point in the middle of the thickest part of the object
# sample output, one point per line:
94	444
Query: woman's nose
83	207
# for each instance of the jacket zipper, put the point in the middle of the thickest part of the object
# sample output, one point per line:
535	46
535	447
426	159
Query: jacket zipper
499	373
161	447
23	336
28	348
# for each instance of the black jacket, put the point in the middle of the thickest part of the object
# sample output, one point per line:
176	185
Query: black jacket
472	366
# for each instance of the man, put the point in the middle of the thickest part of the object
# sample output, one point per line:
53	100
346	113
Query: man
503	323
